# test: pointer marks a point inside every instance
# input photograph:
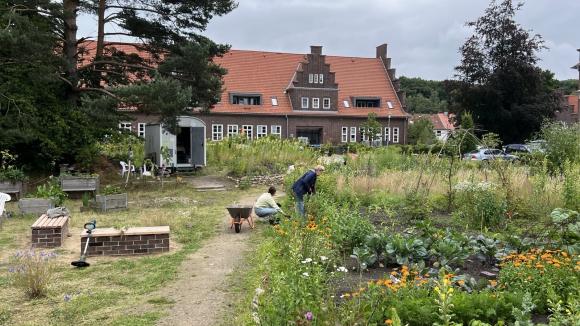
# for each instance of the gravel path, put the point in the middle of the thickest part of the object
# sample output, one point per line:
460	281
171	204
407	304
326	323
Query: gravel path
201	293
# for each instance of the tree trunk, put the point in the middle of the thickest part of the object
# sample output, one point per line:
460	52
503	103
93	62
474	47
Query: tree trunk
101	29
70	46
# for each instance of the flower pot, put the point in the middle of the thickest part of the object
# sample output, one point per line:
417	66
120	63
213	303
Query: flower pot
79	183
11	187
106	203
35	205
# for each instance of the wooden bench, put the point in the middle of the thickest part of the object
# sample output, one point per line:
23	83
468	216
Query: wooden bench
49	232
133	241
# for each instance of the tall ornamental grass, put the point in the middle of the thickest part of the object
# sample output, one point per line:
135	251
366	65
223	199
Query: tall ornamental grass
32	271
240	157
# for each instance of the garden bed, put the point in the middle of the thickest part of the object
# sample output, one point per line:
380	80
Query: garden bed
35	205
10	187
79	183
105	203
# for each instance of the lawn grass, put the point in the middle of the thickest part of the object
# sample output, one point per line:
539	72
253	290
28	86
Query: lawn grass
111	290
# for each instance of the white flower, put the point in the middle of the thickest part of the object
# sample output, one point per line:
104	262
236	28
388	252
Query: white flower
307	260
259	291
342	269
305	274
323	258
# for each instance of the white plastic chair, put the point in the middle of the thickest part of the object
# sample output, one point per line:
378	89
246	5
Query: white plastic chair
125	168
3	199
144	171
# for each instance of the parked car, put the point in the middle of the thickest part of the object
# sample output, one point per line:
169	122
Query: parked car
516	148
486	154
537	146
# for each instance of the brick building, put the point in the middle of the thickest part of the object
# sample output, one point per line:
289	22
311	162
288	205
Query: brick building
323	98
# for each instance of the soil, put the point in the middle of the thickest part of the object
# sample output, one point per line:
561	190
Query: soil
200	294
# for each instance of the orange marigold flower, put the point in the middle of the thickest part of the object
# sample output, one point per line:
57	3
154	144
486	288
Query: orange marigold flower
493	283
388	322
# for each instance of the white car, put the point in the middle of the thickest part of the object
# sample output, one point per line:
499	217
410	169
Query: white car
486	154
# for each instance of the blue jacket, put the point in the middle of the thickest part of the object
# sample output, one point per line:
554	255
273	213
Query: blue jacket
305	185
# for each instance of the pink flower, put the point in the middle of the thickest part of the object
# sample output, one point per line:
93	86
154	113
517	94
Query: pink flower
308	315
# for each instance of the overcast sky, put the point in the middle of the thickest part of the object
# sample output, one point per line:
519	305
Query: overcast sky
423	35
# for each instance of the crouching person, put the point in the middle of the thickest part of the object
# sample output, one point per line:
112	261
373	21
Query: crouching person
266	208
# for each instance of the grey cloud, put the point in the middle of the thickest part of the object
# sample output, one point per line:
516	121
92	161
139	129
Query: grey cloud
423	35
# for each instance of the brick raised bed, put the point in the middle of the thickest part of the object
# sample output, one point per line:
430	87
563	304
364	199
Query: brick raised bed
49	232
133	241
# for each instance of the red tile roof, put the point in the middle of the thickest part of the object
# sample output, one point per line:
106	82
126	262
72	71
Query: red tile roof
440	120
270	73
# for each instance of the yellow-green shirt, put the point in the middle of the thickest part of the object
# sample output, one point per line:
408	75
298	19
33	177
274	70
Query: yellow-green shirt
266	201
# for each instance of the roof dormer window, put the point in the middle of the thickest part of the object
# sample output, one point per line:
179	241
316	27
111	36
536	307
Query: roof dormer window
365	102
246	99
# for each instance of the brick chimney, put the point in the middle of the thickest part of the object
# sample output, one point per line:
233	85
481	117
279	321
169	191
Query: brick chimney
316	49
382	51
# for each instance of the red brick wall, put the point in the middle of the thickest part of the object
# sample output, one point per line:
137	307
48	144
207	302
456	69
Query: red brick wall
126	244
49	237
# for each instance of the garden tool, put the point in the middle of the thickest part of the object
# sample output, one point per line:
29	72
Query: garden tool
90	226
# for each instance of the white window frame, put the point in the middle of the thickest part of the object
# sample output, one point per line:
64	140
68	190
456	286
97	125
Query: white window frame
344	135
326	103
396	135
125	125
141	129
316	78
276	130
321	78
248	130
315	103
304	102
274	101
217	132
261	131
233	130
387	134
310	78
353	134
363	134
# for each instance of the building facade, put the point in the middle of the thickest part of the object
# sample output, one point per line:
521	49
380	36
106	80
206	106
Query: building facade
316	98
313	97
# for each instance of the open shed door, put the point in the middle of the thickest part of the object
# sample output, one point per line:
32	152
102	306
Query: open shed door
198	146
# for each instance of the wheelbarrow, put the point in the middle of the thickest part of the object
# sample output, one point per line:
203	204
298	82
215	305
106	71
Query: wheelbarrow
238	214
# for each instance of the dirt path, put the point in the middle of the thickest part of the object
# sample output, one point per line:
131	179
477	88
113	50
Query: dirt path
201	293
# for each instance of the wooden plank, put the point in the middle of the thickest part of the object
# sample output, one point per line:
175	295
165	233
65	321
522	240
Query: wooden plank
43	221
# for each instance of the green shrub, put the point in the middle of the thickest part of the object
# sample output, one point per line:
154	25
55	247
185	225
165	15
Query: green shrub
561	144
9	172
480	204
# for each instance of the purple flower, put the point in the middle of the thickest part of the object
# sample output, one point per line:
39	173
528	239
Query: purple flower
308	315
67	297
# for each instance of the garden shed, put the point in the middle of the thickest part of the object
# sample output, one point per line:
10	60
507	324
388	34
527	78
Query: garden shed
184	151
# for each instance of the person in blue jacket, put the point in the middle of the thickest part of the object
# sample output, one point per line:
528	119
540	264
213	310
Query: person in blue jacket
306	185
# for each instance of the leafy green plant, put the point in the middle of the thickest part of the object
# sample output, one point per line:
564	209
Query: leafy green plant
449	251
365	256
51	190
568	223
404	250
111	190
485	248
415	207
